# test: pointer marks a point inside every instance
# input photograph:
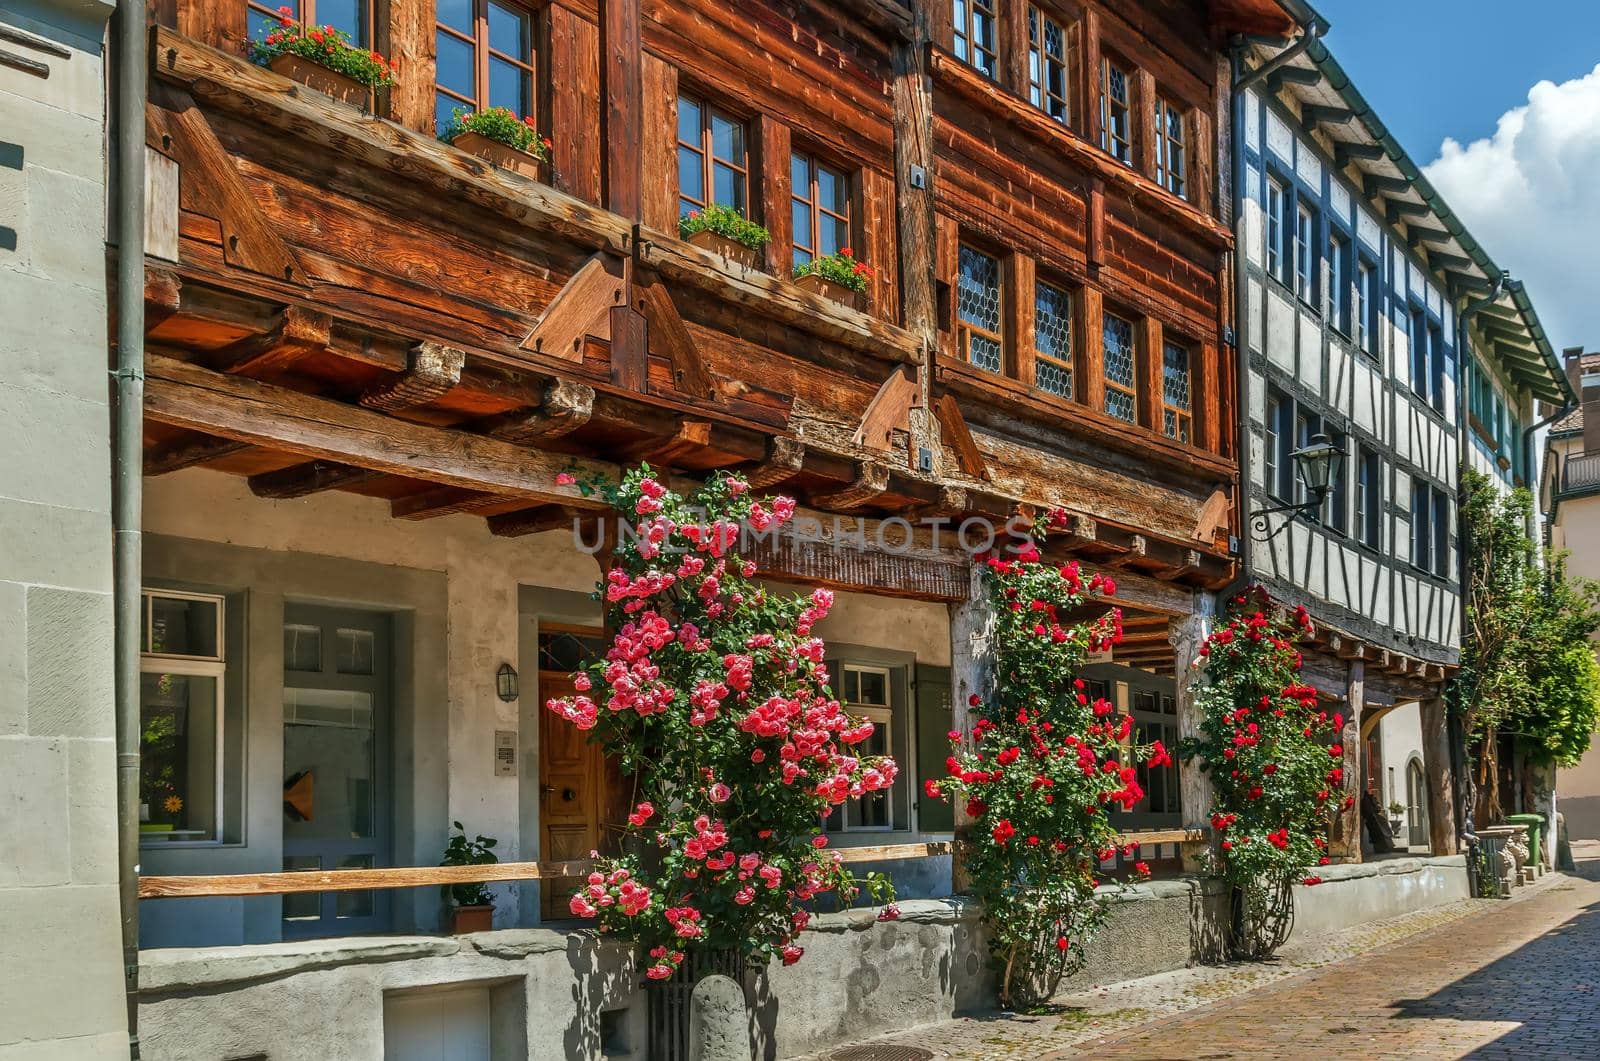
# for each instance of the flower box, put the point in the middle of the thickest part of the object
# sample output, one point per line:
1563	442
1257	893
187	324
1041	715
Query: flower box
503	155
328	82
733	250
818	284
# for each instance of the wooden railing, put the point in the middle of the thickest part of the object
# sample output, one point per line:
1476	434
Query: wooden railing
343	880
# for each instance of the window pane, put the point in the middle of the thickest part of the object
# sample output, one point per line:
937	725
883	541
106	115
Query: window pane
355	904
688	121
1119	367
302	647
873	689
833	191
354	651
454	69
457	14
835	235
444	111
691	179
348	15
801	215
1052	322
262	23
327	733
178	731
508	30
727	186
800	176
302	906
181	627
1175	376
978	297
1052	378
508	87
727	140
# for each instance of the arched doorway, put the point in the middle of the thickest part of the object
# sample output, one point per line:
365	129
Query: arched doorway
1416	803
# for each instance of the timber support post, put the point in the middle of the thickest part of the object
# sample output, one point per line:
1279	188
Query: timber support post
1344	835
1442	835
1195	795
972	655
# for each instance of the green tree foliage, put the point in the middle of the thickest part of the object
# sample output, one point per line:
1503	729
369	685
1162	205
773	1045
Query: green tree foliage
1527	665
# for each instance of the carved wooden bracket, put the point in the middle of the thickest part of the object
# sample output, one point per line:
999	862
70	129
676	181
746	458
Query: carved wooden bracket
668	335
580	309
953	428
871	481
1214	514
785	457
889	409
297	333
433	369
566	407
210	184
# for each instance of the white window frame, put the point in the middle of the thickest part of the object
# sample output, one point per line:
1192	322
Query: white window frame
1305	253
1277	196
880	715
191	666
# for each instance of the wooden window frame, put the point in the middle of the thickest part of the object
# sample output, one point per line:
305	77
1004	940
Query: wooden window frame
1305	251
1183	416
1277	201
964	42
1069	364
708	158
215	667
1132	390
308	16
482	52
1039	61
880	715
965	329
1167	148
813	201
1108	140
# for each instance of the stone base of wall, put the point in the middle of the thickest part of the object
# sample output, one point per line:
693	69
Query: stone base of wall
549	993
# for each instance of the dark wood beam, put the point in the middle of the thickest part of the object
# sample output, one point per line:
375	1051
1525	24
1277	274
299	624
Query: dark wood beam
443	501
871	481
432	371
1344	153
302	480
249	411
1398	209
566	407
1292	75
297	333
532	521
1374	185
1416	234
1315	114
189	452
785	457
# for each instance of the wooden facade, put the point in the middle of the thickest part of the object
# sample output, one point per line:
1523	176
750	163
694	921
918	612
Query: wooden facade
344	301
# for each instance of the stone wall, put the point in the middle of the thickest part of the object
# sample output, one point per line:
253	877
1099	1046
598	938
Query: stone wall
61	992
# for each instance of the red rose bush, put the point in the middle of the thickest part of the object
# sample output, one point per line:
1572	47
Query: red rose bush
714	697
1275	763
1043	767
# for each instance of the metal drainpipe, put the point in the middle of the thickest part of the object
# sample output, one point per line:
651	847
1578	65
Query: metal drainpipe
1465	828
1567	407
1241	80
130	41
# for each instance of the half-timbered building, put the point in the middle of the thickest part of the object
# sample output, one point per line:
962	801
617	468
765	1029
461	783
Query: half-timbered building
1372	319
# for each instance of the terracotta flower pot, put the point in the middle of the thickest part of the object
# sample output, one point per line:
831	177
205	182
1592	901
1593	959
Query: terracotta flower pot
733	250
504	156
818	284
472	919
326	81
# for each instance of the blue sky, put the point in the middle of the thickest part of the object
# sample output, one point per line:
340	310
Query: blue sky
1499	102
1437	68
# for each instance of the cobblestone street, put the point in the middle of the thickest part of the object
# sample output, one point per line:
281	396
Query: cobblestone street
1482	979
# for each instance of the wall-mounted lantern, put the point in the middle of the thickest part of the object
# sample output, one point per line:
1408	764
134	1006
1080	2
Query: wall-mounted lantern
1317	465
505	682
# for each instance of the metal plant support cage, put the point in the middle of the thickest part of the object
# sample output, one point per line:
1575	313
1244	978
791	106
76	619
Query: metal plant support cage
668	999
1260	918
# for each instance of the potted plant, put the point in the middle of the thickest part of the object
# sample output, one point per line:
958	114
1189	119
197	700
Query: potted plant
837	276
1397	817
726	231
498	136
323	58
473	904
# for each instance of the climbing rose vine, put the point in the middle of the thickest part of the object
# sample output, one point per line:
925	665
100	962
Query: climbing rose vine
1275	763
714	697
1044	765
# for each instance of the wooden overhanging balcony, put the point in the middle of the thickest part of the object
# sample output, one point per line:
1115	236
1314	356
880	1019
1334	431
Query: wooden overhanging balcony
273	353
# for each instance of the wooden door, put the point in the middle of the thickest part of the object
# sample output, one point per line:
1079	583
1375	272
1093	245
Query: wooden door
571	771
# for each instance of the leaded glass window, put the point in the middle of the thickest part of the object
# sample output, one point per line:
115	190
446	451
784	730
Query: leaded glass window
1175	392
1052	339
976	31
1116	125
1172	160
978	307
1122	399
1047	65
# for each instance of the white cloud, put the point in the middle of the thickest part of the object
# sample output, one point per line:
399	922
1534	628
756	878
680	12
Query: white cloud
1530	194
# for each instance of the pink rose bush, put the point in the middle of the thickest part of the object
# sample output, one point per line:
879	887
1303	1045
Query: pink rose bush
713	696
1276	766
1039	772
